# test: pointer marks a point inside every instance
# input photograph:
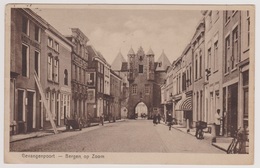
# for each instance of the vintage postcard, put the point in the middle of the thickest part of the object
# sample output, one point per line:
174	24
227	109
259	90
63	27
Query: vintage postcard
129	84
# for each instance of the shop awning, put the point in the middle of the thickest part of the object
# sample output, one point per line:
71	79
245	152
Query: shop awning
184	105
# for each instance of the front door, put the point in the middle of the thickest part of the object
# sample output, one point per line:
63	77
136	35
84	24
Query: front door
20	111
30	108
232	109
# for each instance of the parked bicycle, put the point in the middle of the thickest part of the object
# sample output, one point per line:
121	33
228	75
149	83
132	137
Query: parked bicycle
238	144
200	125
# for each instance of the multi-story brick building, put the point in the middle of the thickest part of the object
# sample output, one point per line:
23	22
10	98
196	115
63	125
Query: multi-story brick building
38	49
231	58
98	102
56	71
184	85
213	64
198	45
119	66
243	65
116	90
79	76
28	45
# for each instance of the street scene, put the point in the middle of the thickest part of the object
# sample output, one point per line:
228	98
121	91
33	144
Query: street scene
141	136
106	79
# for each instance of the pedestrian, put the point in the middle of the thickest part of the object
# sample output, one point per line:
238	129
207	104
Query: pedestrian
217	122
159	118
169	120
101	119
154	119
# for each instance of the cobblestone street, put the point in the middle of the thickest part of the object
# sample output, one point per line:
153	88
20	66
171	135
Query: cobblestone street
127	136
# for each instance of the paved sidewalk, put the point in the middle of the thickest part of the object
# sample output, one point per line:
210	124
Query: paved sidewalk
41	133
207	136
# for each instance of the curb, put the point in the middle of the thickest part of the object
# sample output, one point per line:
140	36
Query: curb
47	133
219	147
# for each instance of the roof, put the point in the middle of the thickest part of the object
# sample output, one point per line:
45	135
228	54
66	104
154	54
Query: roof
162	63
124	67
150	52
131	51
117	63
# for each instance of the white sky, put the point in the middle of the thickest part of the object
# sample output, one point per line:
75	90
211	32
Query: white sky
111	30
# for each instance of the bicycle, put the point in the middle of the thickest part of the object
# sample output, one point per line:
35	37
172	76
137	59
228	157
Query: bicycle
237	143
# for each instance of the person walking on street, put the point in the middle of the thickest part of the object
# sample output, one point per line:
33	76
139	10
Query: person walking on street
169	120
101	119
217	122
159	118
154	119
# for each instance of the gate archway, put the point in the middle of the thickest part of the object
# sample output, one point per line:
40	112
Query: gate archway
141	110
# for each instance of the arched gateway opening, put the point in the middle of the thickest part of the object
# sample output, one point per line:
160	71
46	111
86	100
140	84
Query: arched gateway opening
141	110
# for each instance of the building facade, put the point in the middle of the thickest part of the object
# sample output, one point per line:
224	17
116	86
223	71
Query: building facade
28	47
119	66
56	73
116	91
79	74
198	57
145	77
213	64
231	58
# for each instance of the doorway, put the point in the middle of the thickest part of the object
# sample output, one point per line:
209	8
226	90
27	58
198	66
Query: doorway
30	108
232	110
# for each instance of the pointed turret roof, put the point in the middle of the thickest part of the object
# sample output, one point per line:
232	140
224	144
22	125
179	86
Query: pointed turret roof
162	62
117	63
150	52
131	51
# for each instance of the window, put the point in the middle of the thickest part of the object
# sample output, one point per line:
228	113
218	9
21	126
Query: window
101	85
65	77
160	64
190	75
56	70
98	84
246	98
183	81
248	28
216	55
49	67
209	58
196	67
98	66
235	51
53	108
147	89
79	74
134	89
25	60
141	69
50	42
227	48
56	46
200	68
227	16
25	26
37	63
37	33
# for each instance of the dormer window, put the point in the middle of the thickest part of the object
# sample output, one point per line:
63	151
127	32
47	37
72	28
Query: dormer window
160	64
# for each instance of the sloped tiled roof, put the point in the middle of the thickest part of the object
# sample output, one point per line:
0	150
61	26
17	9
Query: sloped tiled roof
163	62
150	52
124	67
117	63
131	51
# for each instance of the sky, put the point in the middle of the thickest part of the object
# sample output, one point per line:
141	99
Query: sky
111	31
